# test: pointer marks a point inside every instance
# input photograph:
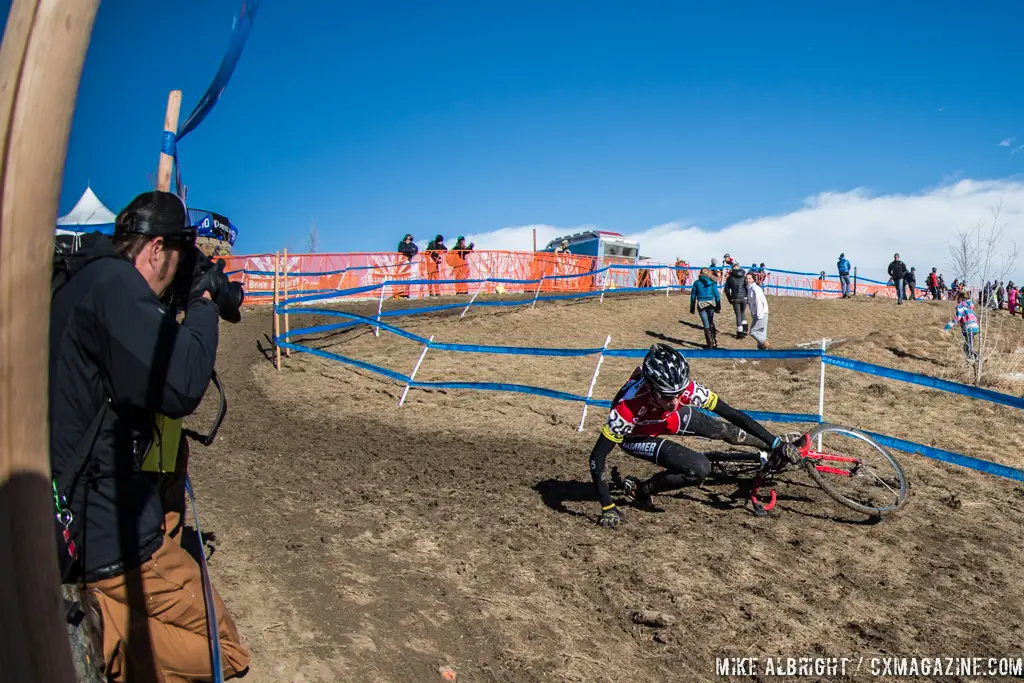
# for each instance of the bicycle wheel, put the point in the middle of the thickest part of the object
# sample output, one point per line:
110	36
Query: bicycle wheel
855	471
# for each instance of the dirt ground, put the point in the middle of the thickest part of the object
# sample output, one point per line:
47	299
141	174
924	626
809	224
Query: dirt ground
359	541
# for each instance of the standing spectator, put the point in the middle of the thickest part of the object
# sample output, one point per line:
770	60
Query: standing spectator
758	312
843	266
933	284
736	293
563	248
942	287
986	294
460	268
911	283
1001	295
898	271
1011	297
968	321
408	248
705	297
762	275
435	248
682	272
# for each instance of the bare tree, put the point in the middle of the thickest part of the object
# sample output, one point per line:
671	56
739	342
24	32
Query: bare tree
979	254
313	240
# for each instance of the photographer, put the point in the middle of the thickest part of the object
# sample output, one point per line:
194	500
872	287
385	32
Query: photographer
123	372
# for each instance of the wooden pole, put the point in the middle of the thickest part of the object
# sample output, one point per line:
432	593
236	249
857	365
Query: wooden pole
44	47
535	239
287	352
277	320
163	173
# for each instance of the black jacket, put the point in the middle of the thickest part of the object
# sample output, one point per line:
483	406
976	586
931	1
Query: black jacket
910	278
112	339
897	270
736	286
408	249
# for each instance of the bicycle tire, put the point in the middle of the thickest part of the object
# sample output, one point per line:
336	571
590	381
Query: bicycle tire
836	495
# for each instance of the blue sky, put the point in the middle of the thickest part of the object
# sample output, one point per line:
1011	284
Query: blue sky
377	119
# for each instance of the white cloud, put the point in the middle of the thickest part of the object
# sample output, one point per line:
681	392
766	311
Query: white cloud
867	228
1007	142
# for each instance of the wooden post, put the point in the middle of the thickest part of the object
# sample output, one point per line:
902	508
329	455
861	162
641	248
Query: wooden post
41	58
287	352
855	280
277	320
535	239
163	173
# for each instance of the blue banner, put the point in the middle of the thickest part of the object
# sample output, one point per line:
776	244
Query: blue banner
239	34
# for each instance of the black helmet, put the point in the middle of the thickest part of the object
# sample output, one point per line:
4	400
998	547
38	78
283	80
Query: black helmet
665	370
156	214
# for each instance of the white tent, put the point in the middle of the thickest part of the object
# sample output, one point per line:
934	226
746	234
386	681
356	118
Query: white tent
88	215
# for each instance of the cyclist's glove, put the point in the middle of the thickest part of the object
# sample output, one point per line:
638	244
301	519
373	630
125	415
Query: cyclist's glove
785	452
611	517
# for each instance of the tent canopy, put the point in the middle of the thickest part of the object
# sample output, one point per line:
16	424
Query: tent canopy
88	215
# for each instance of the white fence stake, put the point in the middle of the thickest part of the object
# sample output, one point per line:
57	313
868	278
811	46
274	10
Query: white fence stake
821	388
475	295
604	288
380	304
414	371
537	292
593	381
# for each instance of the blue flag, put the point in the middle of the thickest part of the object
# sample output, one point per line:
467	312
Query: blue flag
239	34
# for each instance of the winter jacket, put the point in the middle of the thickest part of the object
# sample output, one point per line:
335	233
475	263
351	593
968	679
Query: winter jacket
408	249
118	358
736	286
897	270
704	289
910	278
933	280
758	301
965	316
436	248
844	266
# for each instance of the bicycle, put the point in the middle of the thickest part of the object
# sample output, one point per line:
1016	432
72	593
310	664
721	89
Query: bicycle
878	484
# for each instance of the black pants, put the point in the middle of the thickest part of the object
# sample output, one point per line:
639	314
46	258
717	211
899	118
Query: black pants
684	466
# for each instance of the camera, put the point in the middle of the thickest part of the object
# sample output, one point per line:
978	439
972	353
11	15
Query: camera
197	273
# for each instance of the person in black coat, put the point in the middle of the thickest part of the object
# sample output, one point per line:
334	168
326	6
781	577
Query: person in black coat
898	272
736	292
408	248
910	282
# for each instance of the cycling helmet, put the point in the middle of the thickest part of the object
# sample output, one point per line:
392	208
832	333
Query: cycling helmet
665	370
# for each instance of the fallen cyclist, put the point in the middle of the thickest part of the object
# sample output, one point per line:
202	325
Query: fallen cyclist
659	400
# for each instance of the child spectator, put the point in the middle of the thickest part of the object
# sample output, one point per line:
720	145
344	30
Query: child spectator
968	322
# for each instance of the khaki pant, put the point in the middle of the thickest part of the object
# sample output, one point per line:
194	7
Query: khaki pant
165	639
177	648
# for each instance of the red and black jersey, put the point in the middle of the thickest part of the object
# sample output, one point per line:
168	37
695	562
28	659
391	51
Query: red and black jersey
636	412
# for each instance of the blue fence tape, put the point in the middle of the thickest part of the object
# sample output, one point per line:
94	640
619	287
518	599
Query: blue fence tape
786	354
926	381
948	456
515	350
498	386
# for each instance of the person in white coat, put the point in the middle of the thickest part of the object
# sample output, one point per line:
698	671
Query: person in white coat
759	312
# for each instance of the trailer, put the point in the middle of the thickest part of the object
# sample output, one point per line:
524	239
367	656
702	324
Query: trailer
608	248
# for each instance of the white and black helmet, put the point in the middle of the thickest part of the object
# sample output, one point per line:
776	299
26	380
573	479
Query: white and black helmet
665	370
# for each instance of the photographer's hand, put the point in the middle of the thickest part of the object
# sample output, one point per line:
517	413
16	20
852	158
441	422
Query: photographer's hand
210	281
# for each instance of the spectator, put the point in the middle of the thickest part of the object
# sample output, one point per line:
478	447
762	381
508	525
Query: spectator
1011	297
898	271
435	249
911	283
942	286
844	275
1001	295
968	321
736	293
563	248
705	297
683	272
933	284
762	275
758	312
408	248
460	268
